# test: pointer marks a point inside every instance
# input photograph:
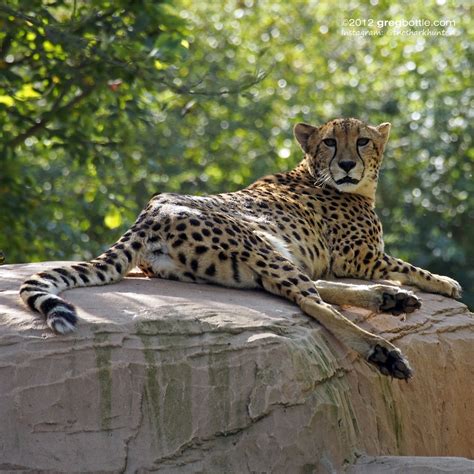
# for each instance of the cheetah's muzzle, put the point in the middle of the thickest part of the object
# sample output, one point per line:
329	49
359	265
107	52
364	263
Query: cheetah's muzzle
347	180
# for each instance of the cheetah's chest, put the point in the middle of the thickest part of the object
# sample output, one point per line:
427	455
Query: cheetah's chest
355	243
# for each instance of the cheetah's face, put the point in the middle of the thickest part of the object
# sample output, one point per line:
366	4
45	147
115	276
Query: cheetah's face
345	153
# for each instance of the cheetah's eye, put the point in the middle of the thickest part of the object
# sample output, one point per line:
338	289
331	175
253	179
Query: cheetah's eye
362	141
329	142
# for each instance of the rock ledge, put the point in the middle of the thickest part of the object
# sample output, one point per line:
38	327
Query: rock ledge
173	377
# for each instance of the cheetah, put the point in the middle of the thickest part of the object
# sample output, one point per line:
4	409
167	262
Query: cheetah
288	233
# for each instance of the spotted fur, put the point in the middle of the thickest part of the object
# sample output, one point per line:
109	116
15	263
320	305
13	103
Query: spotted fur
285	233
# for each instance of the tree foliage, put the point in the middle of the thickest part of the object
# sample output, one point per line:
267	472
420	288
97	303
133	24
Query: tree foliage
104	103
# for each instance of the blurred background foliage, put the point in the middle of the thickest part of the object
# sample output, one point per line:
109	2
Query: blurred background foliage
103	103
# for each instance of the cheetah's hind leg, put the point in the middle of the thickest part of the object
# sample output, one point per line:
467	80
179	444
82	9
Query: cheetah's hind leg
377	298
230	254
295	286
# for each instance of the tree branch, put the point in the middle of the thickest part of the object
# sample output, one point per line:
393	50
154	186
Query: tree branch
18	14
190	90
48	116
6	44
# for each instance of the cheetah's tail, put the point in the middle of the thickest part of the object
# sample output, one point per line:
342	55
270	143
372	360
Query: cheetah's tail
40	291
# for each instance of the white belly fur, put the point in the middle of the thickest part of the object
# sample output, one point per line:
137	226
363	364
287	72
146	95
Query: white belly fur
278	244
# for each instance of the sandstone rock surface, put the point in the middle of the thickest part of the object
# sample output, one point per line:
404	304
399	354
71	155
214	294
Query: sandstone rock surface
411	465
171	377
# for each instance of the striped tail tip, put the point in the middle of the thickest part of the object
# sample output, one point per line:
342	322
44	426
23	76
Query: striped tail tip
60	316
62	321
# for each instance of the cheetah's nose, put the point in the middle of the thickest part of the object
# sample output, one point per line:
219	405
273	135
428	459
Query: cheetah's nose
347	165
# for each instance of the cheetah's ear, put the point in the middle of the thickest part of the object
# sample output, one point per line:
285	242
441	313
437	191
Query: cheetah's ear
302	133
384	130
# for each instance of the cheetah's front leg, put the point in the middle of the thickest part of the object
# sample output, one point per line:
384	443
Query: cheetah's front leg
391	268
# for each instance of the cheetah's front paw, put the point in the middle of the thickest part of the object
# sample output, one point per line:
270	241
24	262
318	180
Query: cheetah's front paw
390	361
396	301
446	286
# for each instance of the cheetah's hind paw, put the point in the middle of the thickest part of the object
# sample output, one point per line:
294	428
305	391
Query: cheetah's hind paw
390	362
399	301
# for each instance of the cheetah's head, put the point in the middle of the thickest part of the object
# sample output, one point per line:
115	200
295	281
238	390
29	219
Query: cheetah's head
344	153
